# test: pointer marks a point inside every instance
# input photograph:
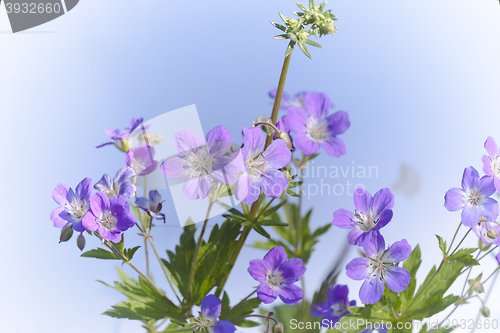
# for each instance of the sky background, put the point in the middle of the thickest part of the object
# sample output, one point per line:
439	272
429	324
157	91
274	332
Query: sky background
419	79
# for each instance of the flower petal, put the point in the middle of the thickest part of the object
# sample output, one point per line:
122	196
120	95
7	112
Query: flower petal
223	326
84	189
471	215
259	269
383	199
357	269
211	307
142	202
275	257
339	122
372	289
241	188
254	185
127	190
397	252
397	278
266	294
343	218
469	178
362	200
254	140
57	220
227	168
384	219
304	144
99	203
375	246
274	182
489	209
197	188
491	147
277	155
320	309
89	221
454	199
122	175
154	198
337	294
317	105
175	167
295	120
487	185
292	270
487	165
60	194
291	294
334	147
186	141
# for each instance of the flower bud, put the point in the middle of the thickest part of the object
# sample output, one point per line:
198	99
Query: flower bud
278	328
482	246
283	136
485	311
80	242
493	234
66	233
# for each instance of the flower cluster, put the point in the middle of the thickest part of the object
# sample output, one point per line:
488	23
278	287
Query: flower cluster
379	267
335	307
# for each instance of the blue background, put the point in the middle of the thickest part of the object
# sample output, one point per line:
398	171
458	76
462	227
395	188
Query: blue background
419	79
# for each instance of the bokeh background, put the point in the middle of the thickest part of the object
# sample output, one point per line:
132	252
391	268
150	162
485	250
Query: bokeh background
419	79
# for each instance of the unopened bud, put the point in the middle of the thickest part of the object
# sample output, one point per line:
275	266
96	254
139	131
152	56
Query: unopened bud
283	136
80	242
66	233
476	286
493	234
278	328
485	311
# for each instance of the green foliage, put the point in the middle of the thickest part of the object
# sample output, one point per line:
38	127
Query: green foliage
290	314
100	253
143	301
373	313
212	263
297	243
241	309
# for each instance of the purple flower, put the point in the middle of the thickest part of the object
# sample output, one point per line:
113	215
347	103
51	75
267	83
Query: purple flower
473	198
481	231
335	306
109	216
141	159
314	128
370	216
491	163
277	276
74	205
379	267
288	101
210	312
118	138
119	186
261	167
153	205
199	162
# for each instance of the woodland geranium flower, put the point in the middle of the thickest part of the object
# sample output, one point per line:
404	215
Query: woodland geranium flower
120	139
119	186
210	312
473	198
378	267
141	159
277	276
109	216
370	215
199	162
491	163
314	128
152	205
261	167
335	306
74	204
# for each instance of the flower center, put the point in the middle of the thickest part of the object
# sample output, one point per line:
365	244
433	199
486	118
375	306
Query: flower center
108	221
377	268
200	163
77	208
317	129
256	165
475	198
274	279
366	222
204	324
338	309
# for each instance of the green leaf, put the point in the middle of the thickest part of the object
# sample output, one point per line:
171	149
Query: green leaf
235	217
302	7
313	43
100	254
279	26
129	253
464	257
311	4
371	313
273	222
306	52
411	264
442	244
289	49
143	302
322	6
241	309
283	18
275	208
261	230
293	194
280	37
294	184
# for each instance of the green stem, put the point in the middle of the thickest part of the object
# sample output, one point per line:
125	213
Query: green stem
164	269
468	232
178	330
454	236
264	209
487	253
197	250
485	299
424	287
239	304
489	277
